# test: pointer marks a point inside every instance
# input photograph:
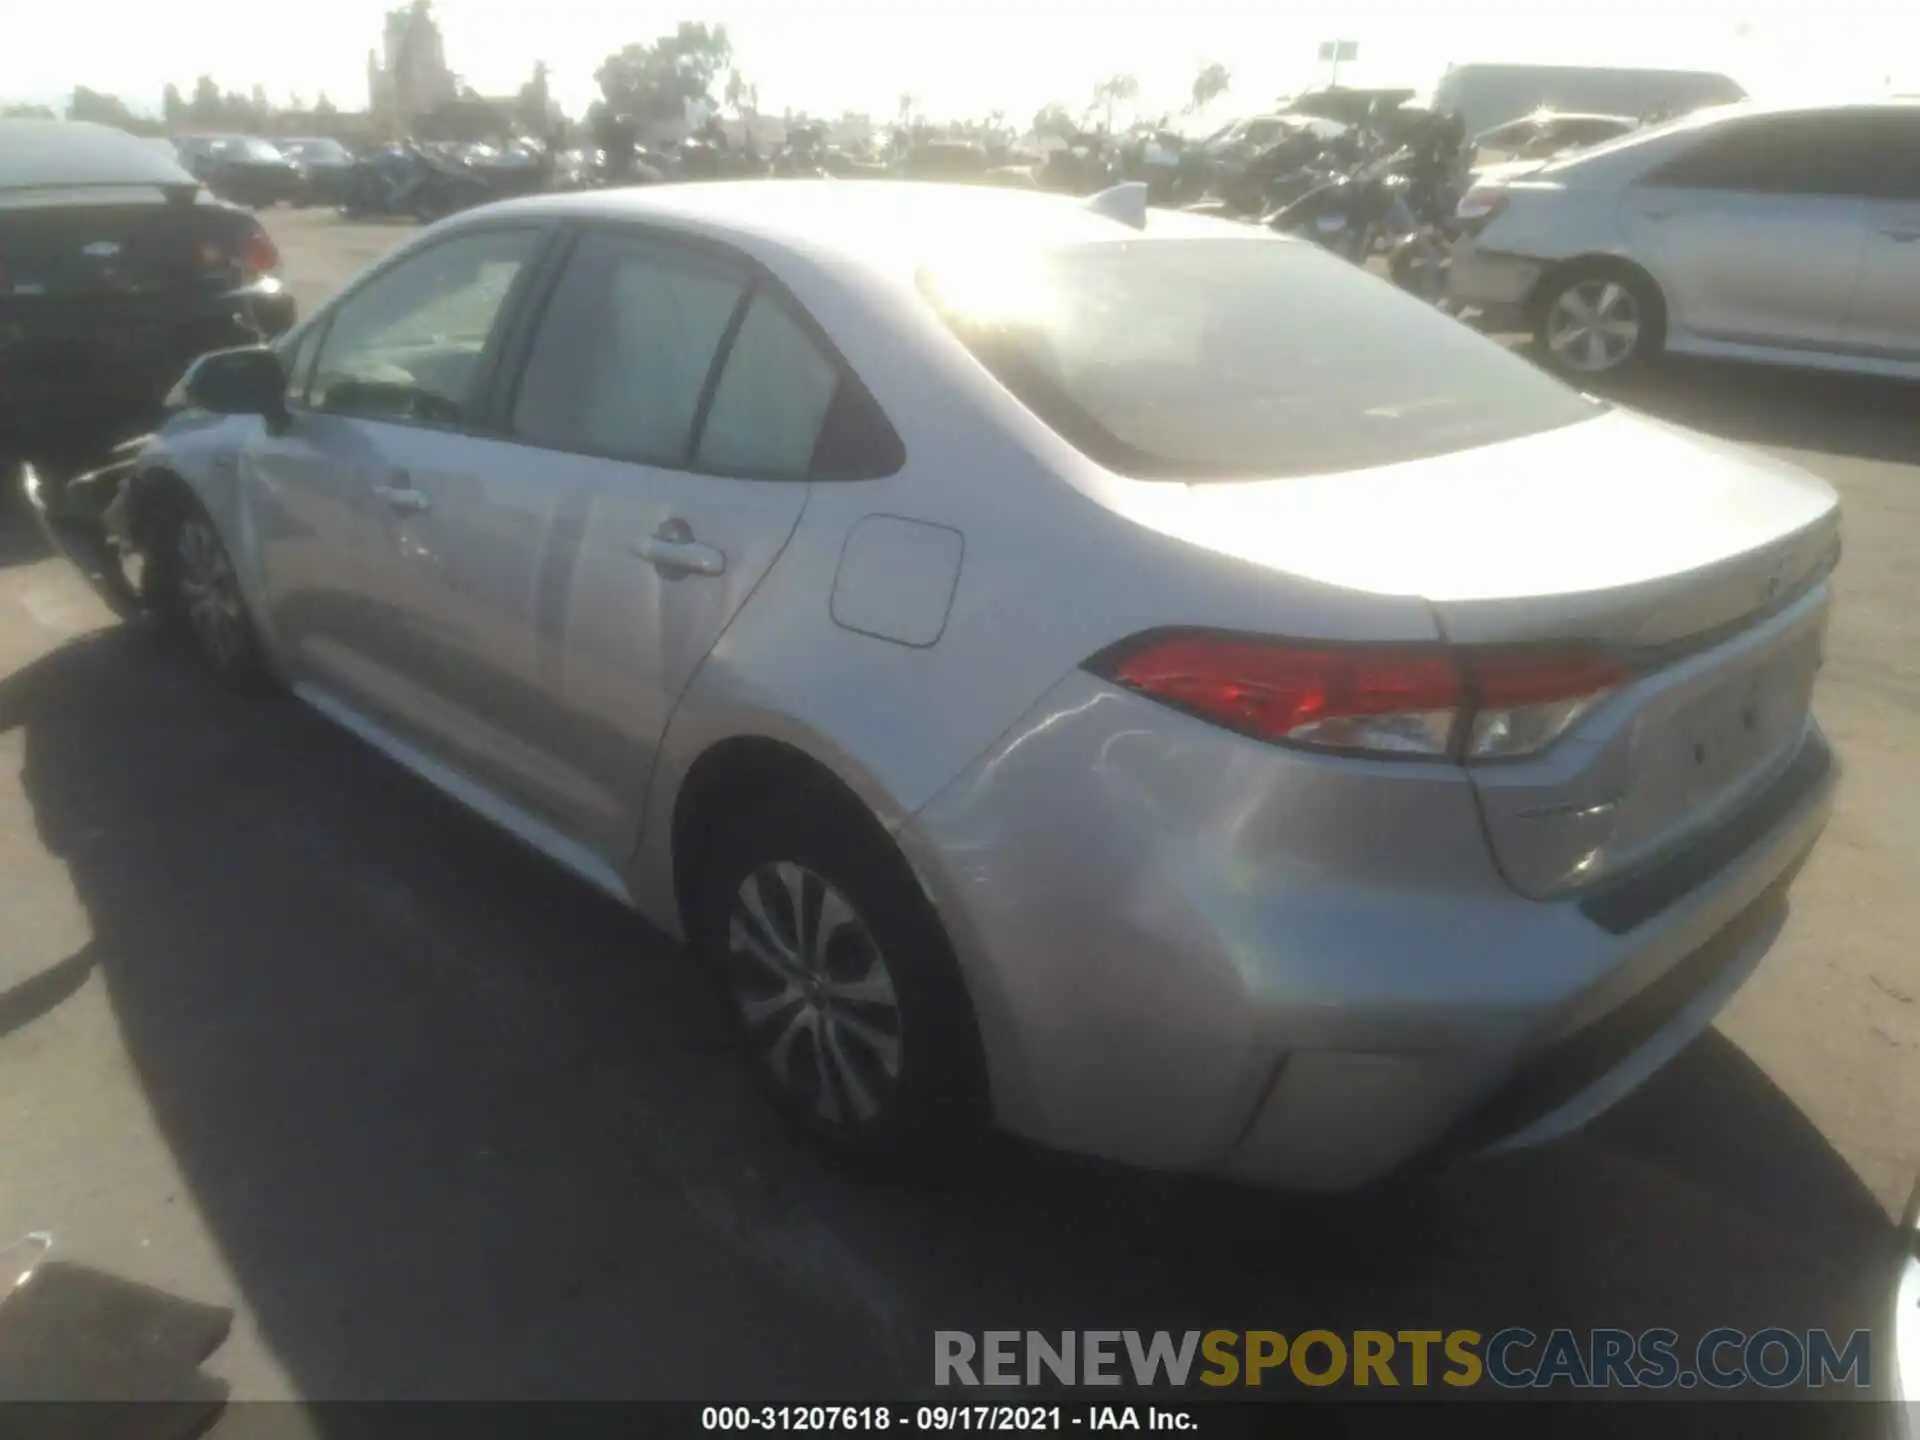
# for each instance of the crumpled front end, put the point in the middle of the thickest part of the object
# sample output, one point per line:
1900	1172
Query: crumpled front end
87	518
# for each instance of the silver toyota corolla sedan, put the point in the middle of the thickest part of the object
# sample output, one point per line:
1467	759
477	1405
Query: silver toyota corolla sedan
1137	679
1784	234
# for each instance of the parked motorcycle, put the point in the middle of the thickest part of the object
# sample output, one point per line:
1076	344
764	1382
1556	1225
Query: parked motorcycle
1400	202
1342	214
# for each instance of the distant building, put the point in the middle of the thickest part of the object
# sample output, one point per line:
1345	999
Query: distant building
409	77
851	131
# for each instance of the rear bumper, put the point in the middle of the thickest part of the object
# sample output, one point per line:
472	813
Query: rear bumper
1567	1081
1584	1053
1498	285
1195	952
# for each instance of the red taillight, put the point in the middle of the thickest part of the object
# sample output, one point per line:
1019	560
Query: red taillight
1366	699
1357	699
258	253
1502	680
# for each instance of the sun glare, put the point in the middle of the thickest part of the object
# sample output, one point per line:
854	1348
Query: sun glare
993	287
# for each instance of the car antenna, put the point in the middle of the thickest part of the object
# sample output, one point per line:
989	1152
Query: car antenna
1126	203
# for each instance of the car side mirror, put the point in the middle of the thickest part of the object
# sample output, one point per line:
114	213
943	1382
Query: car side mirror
245	381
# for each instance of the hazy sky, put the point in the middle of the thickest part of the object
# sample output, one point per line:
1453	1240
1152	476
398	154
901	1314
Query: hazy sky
958	60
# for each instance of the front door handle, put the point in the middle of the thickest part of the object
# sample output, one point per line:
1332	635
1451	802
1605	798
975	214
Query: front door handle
403	497
1901	237
674	552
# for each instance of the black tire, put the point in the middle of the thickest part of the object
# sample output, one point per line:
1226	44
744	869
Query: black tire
1595	280
935	1090
187	564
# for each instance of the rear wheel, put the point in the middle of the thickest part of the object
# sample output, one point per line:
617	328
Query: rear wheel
1598	320
845	998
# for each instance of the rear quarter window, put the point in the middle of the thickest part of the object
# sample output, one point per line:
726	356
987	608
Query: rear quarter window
1229	359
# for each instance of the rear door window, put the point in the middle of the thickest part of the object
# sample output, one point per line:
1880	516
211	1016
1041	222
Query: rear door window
1838	154
772	398
622	358
659	353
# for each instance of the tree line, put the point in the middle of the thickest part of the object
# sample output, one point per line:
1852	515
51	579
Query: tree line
210	108
657	82
647	83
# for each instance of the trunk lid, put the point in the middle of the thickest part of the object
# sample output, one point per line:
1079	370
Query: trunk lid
120	243
1618	530
1699	562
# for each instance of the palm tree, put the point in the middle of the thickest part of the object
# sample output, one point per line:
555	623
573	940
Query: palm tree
1209	85
1114	90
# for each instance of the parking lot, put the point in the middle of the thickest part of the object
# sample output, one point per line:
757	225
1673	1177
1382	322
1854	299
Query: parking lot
281	1029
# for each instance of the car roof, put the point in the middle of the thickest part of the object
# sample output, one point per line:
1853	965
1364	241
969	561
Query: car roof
882	224
53	154
1823	106
1636	142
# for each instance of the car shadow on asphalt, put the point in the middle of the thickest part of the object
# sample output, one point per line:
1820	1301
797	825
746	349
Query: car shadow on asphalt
462	1128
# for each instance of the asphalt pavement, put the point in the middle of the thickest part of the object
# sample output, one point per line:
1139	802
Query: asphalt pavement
281	1029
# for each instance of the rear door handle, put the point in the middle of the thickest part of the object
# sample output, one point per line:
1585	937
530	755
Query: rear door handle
1901	237
673	551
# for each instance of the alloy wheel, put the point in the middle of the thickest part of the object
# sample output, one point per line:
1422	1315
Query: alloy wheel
209	591
815	994
1594	326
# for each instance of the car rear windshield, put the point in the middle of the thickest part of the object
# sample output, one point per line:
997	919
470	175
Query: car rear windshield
1208	359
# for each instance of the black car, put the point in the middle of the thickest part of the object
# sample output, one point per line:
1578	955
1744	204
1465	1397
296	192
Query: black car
241	168
323	165
116	270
